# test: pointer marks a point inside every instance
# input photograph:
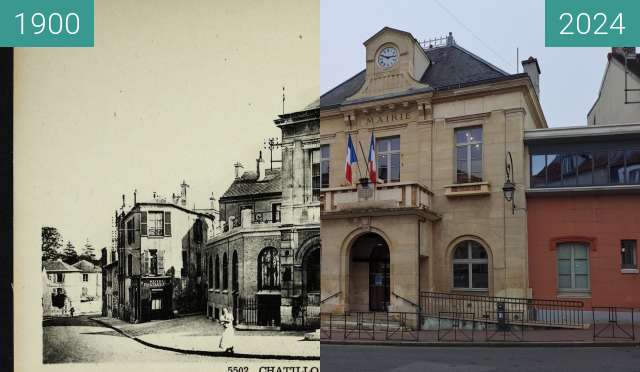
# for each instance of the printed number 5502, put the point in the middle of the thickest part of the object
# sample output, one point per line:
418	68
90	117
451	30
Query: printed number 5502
238	369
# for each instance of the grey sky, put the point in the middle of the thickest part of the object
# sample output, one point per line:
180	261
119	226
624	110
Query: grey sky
570	76
169	92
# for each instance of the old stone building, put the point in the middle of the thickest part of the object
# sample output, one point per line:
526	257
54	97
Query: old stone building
159	258
265	264
445	123
77	286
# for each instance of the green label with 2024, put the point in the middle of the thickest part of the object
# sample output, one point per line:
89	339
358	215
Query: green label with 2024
46	23
592	23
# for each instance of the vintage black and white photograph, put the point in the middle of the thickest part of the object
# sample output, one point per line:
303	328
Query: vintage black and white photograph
169	185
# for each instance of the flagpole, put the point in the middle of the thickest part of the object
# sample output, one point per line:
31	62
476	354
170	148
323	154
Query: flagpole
364	157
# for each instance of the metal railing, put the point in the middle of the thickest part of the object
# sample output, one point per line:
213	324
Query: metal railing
538	312
265	217
619	323
370	325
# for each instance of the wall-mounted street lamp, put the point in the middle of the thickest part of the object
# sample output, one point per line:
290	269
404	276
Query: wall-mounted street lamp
509	188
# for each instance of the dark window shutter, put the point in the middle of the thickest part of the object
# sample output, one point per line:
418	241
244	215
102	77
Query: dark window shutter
143	223
160	262
167	223
145	254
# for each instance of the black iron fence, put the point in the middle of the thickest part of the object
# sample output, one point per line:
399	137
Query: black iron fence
613	323
530	311
365	325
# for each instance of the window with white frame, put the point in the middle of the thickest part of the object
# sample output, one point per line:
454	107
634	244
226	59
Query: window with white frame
628	254
470	266
155	223
388	159
573	266
85	277
468	154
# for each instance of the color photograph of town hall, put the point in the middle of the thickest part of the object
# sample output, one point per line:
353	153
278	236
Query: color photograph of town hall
451	210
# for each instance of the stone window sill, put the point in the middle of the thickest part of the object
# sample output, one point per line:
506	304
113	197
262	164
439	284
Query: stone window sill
629	271
467	189
574	294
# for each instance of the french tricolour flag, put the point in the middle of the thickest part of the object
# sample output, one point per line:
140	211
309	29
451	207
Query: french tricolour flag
351	159
373	171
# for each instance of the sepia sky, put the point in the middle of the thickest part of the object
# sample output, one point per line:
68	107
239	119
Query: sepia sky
169	92
491	29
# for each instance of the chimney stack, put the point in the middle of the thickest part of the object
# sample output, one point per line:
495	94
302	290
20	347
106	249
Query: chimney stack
258	161
183	193
450	39
238	169
530	67
212	201
123	204
135	199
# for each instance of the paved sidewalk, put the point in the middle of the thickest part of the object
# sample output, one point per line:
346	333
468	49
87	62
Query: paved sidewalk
199	335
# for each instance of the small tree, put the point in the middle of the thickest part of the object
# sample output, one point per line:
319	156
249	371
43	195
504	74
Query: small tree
88	252
69	254
51	243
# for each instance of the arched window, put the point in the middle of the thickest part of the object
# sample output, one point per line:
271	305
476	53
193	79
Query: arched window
470	266
225	271
268	269
210	271
234	271
217	272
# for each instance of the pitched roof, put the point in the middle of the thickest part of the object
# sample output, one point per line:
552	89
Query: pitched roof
86	267
58	265
451	66
248	185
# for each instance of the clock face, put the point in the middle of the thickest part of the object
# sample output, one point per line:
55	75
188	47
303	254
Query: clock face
388	57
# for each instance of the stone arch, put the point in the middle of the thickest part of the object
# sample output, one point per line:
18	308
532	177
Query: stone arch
449	259
345	257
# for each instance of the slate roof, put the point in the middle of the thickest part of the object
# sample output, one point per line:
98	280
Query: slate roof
248	185
451	66
59	266
86	267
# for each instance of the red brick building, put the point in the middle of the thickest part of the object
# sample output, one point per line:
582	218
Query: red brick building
583	207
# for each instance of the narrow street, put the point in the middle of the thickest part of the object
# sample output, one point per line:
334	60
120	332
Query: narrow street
478	359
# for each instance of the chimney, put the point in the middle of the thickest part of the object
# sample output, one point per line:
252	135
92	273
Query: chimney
212	201
183	193
258	161
239	169
530	67
450	39
135	192
123	205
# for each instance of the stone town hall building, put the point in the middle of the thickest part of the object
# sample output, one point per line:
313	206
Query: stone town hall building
265	265
444	121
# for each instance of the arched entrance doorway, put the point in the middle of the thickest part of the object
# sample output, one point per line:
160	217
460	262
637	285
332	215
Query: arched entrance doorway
370	284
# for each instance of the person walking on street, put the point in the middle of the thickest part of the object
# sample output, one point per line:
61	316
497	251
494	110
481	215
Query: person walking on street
71	311
228	335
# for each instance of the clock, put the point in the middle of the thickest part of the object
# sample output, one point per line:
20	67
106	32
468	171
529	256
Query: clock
387	57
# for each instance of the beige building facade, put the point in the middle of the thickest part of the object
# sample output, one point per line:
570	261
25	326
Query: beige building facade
444	122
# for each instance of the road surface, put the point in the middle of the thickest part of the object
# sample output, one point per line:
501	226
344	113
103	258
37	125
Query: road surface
477	359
